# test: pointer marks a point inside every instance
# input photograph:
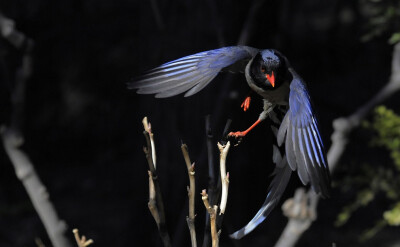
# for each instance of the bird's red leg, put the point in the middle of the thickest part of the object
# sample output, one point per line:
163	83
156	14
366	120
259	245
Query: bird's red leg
246	103
243	133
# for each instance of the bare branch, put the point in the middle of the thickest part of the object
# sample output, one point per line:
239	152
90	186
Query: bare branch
147	128
13	139
223	180
37	192
224	176
298	207
24	44
156	205
212	211
152	204
342	128
301	216
81	241
191	194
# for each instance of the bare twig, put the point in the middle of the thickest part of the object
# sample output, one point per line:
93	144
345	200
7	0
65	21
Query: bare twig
147	128
342	128
156	205
37	192
224	176
191	194
81	241
152	204
212	211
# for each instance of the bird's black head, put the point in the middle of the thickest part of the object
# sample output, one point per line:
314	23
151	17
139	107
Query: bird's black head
268	69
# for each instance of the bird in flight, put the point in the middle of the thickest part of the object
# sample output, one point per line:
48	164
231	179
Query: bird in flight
269	74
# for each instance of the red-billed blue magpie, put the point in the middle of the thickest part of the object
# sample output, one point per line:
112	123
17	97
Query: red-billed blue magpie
270	75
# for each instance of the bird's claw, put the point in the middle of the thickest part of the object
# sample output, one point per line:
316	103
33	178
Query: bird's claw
246	103
237	136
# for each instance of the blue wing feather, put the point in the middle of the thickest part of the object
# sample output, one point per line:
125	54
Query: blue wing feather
191	73
304	147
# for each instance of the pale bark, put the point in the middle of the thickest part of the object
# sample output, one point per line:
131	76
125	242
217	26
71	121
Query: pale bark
13	139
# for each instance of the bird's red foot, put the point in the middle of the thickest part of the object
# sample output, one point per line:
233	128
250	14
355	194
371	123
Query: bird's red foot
237	134
246	103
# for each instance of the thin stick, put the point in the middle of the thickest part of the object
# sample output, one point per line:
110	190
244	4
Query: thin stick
155	204
81	241
224	176
191	194
147	128
212	211
152	204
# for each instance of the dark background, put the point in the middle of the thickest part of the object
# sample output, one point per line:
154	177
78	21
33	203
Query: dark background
83	128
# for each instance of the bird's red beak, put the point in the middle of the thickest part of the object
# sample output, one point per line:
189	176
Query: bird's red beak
271	78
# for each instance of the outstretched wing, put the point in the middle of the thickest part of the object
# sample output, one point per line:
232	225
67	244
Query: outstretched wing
278	185
191	73
303	144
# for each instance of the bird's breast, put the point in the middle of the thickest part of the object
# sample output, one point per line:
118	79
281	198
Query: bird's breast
279	96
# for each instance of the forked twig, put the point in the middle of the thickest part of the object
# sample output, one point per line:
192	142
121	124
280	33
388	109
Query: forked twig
155	201
212	211
214	186
191	194
81	241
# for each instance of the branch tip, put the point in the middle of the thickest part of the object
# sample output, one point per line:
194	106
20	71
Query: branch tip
81	241
146	125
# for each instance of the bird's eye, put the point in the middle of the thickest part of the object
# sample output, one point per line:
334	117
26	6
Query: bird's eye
263	69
